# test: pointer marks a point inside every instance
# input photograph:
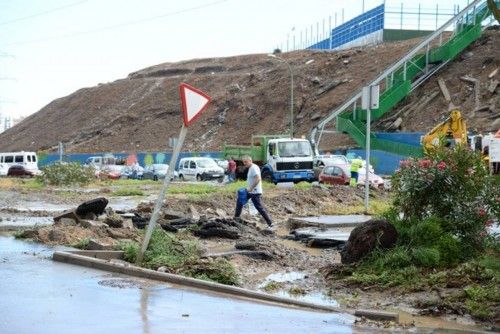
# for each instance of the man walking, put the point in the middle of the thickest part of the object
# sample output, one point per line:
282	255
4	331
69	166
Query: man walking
254	190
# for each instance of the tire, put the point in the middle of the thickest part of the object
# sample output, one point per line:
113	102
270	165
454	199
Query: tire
155	177
267	176
181	177
199	178
220	179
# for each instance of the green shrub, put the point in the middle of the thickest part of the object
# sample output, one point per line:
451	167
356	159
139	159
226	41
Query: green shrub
426	257
453	186
398	257
128	192
450	250
65	174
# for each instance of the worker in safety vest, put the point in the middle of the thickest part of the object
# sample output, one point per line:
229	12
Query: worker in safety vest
356	164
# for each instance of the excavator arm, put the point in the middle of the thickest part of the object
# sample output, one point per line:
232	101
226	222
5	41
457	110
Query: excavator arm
452	129
494	9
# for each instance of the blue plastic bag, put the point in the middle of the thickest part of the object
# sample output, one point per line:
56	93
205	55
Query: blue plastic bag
242	196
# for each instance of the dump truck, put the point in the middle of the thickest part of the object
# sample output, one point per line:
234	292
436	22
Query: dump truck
281	158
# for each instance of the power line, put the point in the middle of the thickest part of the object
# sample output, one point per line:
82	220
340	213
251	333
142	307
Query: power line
42	13
120	25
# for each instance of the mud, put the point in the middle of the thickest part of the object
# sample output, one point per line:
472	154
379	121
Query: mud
293	268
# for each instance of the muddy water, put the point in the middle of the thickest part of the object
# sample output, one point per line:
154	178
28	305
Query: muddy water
438	325
42	296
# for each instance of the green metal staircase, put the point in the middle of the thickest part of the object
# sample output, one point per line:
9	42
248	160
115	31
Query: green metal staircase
400	79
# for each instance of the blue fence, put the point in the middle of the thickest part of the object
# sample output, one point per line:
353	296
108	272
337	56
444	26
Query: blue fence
411	138
384	163
360	26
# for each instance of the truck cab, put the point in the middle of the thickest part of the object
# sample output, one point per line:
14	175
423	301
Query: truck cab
288	159
281	158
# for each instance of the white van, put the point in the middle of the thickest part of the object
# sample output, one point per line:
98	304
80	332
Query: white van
27	159
200	169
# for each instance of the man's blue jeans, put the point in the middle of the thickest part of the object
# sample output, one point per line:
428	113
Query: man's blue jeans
256	200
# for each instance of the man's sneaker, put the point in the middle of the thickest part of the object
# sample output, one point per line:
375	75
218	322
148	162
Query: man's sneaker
271	227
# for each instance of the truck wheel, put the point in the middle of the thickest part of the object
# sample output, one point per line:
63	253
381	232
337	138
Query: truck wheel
199	178
267	176
181	177
155	178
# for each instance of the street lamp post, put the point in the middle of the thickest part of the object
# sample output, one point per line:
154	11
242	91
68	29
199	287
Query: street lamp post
291	89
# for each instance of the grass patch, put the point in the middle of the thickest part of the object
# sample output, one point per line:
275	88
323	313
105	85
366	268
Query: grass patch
180	254
82	243
303	185
376	208
128	192
296	291
273	286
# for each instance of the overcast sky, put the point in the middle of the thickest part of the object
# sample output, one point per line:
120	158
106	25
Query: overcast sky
51	48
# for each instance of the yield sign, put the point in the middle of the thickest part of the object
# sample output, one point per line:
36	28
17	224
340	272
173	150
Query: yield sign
194	101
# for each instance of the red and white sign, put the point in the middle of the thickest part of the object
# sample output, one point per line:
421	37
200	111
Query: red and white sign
194	101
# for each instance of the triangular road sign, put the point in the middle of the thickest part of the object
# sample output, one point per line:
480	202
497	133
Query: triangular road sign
194	101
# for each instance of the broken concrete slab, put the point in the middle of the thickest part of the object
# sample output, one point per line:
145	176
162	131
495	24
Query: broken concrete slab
327	221
69	214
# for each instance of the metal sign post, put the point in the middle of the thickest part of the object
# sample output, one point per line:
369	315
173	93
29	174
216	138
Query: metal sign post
193	103
369	100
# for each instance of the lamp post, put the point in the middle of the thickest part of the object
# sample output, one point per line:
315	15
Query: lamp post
291	89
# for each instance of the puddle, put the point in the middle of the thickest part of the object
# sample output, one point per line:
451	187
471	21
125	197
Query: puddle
124	203
300	246
41	206
438	325
17	222
284	277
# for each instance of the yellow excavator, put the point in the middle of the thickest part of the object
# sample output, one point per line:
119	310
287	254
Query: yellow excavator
451	132
496	11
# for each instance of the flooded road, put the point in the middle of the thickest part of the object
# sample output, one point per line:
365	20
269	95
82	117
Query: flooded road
42	296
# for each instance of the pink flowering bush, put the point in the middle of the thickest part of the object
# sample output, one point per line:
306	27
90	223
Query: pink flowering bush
453	186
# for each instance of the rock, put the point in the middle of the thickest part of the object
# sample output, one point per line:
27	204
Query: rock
91	223
70	214
96	245
289	209
366	237
347	61
316	80
246	245
114	220
193	213
96	206
67	221
221	213
163	269
210	211
234	88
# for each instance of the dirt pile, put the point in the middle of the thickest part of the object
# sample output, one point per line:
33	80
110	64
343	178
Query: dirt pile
427	106
251	95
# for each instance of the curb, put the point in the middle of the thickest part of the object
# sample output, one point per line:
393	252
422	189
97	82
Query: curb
129	269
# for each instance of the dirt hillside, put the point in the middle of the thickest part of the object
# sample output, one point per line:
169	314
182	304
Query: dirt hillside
250	93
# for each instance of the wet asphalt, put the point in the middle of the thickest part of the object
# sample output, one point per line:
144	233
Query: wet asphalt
42	296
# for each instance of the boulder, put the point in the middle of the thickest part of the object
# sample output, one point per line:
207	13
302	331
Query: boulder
366	237
96	245
96	205
114	220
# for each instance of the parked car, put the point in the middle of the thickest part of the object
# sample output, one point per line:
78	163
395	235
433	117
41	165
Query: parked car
112	172
131	172
222	163
375	180
335	174
157	172
20	171
320	161
200	169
